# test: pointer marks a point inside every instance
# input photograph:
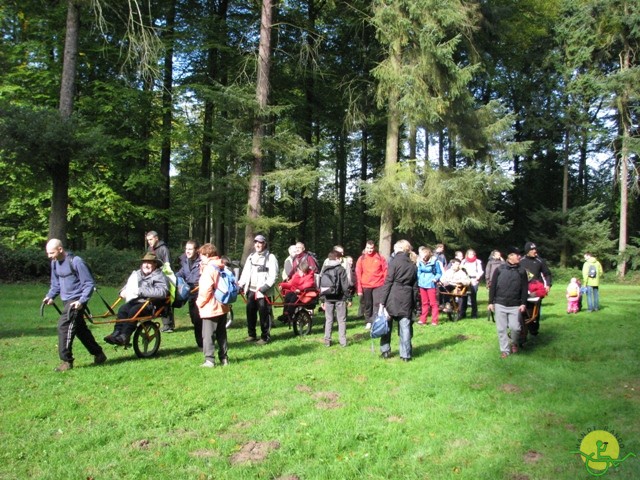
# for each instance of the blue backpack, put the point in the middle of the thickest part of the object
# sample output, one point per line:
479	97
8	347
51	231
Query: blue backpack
182	292
226	291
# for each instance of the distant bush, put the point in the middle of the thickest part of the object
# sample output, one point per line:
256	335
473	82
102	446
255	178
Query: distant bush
109	266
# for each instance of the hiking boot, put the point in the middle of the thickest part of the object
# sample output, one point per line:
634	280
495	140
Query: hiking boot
64	366
110	339
99	359
208	364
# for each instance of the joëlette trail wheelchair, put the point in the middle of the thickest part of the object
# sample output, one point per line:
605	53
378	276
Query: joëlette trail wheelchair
453	296
146	338
297	312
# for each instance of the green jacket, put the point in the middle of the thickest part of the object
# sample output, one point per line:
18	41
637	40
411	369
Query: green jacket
588	281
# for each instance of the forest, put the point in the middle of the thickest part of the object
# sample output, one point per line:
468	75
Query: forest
475	123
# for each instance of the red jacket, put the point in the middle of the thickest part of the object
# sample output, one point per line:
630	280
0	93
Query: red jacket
299	282
371	271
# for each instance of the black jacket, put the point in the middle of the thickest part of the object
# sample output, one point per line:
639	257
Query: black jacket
537	269
400	289
509	286
334	268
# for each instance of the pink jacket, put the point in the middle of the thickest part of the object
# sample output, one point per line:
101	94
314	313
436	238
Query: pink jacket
207	304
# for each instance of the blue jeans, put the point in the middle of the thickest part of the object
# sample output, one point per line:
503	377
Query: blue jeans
405	332
593	298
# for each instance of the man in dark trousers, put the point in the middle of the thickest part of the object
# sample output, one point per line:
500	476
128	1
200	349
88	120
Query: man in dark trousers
537	270
190	272
72	280
508	300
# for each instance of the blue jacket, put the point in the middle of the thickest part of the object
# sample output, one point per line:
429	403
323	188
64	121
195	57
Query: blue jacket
189	270
71	282
429	273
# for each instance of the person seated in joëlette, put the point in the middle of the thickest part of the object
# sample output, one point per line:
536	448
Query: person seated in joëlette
147	283
298	289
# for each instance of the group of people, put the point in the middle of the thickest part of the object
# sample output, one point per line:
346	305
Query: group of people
402	285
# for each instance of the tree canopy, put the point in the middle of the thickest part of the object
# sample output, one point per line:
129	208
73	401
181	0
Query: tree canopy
479	124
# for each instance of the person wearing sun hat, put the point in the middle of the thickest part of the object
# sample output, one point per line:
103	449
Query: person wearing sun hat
537	271
257	279
508	300
148	282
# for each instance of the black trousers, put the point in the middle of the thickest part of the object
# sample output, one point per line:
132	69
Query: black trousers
194	313
128	310
72	324
257	306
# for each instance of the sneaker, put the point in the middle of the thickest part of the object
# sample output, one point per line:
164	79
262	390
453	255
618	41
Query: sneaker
262	342
327	343
367	326
504	355
422	323
250	339
514	349
385	355
435	324
224	362
99	359
64	366
208	364
167	330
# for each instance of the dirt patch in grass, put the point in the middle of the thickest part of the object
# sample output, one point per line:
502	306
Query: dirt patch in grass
143	444
532	456
204	453
519	476
303	388
254	452
288	477
510	388
395	419
327	400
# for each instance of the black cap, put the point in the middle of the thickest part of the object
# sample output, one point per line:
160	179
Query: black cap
511	250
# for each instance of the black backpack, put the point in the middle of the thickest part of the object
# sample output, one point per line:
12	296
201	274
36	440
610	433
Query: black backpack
593	271
330	285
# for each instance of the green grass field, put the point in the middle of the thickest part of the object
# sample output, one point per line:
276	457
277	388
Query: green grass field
296	410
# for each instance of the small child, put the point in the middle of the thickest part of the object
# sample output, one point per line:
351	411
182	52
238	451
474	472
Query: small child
573	296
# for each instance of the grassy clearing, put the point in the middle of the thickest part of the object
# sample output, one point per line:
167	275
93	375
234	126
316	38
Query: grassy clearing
297	410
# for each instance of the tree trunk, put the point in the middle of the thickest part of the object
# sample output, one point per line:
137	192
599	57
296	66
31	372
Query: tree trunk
60	177
167	120
624	115
564	253
391	156
262	96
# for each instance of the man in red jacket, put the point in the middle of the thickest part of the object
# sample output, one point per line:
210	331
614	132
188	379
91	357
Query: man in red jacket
371	271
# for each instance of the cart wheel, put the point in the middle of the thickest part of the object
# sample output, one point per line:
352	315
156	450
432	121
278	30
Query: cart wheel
302	322
146	339
229	317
